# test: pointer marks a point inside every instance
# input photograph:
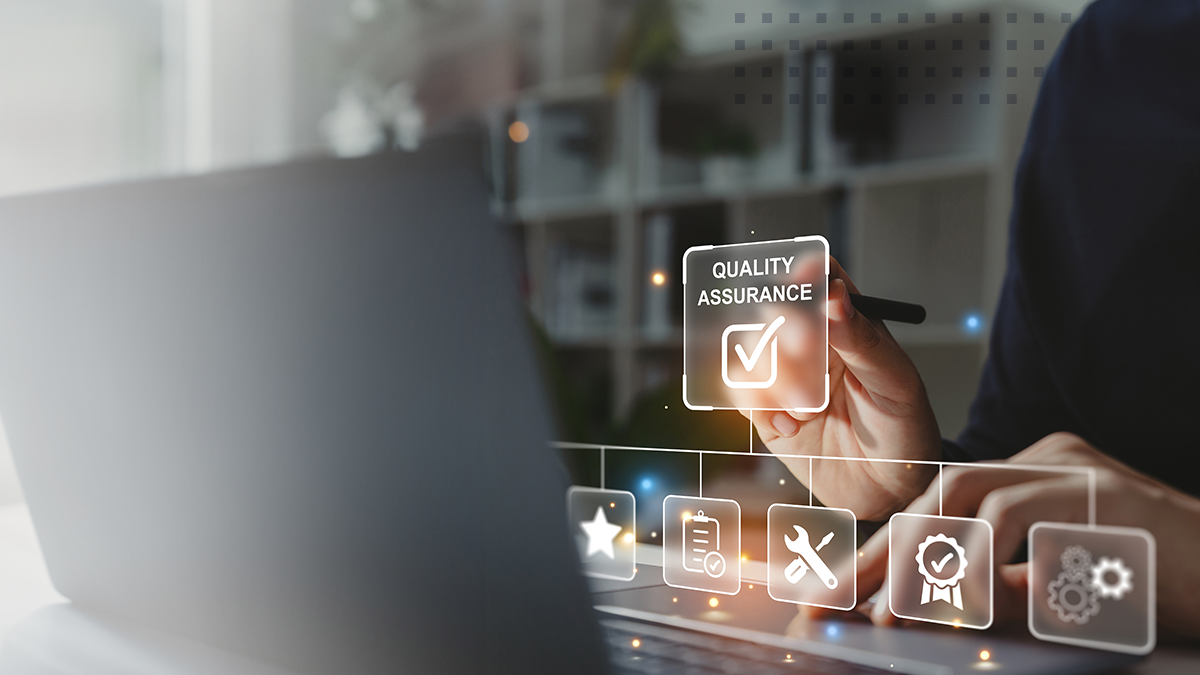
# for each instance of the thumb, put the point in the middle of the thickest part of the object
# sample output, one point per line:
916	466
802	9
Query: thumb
869	351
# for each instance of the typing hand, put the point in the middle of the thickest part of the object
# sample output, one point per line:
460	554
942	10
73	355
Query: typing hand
878	409
1013	500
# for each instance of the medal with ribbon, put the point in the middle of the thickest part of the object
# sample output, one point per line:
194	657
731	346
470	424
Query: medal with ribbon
934	587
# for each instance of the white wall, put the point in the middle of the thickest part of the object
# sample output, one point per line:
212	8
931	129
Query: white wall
79	91
94	91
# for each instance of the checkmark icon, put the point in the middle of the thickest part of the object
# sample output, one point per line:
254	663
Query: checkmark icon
750	361
940	565
714	564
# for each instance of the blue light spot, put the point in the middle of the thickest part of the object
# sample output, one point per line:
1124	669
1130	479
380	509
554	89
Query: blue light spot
972	323
647	483
832	630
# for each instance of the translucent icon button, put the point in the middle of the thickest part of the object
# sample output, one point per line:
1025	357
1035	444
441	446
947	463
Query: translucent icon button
603	522
754	326
1092	586
702	542
811	556
940	569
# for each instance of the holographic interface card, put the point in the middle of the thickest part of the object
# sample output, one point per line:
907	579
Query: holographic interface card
1092	586
754	328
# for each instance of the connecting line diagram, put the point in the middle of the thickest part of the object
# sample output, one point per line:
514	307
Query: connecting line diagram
1089	471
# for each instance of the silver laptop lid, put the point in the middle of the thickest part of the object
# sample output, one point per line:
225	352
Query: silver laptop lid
292	412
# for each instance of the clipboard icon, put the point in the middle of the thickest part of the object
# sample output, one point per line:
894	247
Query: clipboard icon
702	541
702	545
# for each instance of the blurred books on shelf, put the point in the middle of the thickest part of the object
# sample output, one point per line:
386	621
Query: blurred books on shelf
893	134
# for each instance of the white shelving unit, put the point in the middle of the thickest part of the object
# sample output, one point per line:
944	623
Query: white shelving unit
914	193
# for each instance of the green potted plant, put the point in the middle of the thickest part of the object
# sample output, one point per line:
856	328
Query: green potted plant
651	44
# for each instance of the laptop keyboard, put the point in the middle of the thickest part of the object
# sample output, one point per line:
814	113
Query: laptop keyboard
653	650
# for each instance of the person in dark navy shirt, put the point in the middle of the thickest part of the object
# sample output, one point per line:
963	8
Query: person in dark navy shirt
1094	357
1097	326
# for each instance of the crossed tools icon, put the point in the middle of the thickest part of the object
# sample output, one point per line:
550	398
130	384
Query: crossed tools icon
807	557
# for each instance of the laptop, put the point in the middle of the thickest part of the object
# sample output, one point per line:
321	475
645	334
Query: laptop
292	413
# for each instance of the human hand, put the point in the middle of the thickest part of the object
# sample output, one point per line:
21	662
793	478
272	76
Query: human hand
1012	500
878	409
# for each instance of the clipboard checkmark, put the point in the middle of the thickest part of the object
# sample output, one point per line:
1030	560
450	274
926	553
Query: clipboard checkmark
941	564
750	361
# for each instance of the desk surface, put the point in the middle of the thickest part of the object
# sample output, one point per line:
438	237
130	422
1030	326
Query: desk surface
28	600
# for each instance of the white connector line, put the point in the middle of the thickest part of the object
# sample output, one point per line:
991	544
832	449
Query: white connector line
602	474
1091	498
701	481
810	484
1089	471
752	430
940	467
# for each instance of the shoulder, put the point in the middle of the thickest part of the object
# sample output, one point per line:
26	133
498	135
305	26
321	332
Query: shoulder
1126	67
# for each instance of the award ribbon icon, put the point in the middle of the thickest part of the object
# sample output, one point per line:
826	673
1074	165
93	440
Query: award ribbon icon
934	588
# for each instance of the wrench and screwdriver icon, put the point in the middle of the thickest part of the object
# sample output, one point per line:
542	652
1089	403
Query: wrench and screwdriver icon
807	558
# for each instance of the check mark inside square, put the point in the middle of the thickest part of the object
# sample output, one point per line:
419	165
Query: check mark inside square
750	361
767	338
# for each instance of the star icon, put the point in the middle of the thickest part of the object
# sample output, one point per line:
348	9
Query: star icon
600	534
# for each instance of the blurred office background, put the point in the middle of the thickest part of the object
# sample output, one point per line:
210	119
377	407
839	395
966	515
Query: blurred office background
618	133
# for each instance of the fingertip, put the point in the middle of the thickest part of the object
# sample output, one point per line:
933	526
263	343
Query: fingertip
840	306
880	614
1015	576
761	419
784	425
802	416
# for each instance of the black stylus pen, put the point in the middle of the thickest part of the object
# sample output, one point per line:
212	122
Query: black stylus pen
888	310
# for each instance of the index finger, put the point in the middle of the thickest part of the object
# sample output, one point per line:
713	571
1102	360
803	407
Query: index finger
837	272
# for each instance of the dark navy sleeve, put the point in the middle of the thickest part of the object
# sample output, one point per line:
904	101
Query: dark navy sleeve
1096	331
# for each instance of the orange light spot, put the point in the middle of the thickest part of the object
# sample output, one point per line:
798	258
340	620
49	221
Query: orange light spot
636	643
518	131
674	599
985	655
658	278
713	602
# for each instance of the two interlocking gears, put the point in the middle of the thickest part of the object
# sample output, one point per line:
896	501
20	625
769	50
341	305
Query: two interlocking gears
1075	595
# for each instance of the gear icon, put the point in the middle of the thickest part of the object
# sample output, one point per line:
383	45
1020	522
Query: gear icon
1076	562
1073	599
1124	583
